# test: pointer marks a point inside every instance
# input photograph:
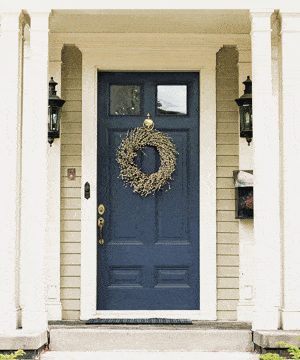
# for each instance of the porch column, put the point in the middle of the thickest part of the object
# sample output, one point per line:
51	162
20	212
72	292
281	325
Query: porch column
291	172
246	239
267	229
10	168
208	186
54	307
34	175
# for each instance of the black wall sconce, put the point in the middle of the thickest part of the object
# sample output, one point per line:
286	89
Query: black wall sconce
55	105
245	107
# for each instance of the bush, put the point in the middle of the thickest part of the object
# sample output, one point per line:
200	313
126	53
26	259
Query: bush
12	356
294	351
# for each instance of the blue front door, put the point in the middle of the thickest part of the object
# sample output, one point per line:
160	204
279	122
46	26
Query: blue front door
149	259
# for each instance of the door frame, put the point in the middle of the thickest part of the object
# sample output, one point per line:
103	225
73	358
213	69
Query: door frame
207	148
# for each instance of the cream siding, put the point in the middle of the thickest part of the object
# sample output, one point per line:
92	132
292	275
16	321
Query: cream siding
227	161
71	141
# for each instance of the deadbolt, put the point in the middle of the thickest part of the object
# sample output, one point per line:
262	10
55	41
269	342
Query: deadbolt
101	209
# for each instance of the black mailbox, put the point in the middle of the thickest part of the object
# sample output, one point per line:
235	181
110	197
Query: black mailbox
243	181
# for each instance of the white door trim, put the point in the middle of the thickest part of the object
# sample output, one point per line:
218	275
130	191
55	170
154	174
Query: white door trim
207	249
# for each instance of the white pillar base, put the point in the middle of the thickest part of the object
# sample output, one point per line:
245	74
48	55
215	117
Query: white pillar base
245	311
266	319
9	319
290	319
34	320
54	310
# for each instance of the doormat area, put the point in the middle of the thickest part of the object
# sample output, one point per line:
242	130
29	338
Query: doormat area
154	321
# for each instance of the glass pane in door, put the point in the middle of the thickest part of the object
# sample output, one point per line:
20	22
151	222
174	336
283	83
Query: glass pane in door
172	99
125	100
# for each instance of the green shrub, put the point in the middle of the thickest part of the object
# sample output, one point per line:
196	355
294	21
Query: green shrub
294	351
12	355
271	356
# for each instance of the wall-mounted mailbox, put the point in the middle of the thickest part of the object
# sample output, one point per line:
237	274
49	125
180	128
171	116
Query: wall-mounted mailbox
243	181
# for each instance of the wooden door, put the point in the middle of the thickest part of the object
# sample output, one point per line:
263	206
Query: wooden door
150	256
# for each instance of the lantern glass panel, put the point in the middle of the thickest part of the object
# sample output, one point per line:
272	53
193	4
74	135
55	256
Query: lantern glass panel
246	118
54	113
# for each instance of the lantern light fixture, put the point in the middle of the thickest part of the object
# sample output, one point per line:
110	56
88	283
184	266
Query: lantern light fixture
55	105
245	108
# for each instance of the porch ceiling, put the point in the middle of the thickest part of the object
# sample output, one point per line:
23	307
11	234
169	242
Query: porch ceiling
151	21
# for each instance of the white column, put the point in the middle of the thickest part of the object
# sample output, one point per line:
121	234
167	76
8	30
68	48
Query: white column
10	168
246	236
34	176
54	307
291	172
89	174
208	220
267	229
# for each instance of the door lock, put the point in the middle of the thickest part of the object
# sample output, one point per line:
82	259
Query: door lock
101	209
101	224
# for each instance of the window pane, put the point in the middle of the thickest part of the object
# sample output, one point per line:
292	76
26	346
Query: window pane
124	100
172	99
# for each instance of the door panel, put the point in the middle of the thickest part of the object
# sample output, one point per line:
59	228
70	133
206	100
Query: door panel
150	256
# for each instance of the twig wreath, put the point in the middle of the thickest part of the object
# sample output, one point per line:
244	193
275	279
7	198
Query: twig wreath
137	139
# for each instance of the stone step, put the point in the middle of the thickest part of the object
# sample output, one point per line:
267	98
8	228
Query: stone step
148	338
148	355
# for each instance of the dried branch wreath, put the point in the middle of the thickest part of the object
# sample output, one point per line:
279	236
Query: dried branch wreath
136	140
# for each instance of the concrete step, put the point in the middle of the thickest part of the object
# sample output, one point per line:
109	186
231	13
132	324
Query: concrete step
148	338
147	355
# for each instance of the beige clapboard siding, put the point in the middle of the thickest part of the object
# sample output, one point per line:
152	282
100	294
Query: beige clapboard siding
70	315
225	194
71	143
70	236
73	203
67	294
70	282
225	271
227	161
228	260
71	139
224	117
225	172
226	315
70	270
74	248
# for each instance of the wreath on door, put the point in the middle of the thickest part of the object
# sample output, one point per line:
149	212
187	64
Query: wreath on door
137	139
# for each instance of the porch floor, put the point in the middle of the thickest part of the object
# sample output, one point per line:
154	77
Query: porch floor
208	336
199	324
